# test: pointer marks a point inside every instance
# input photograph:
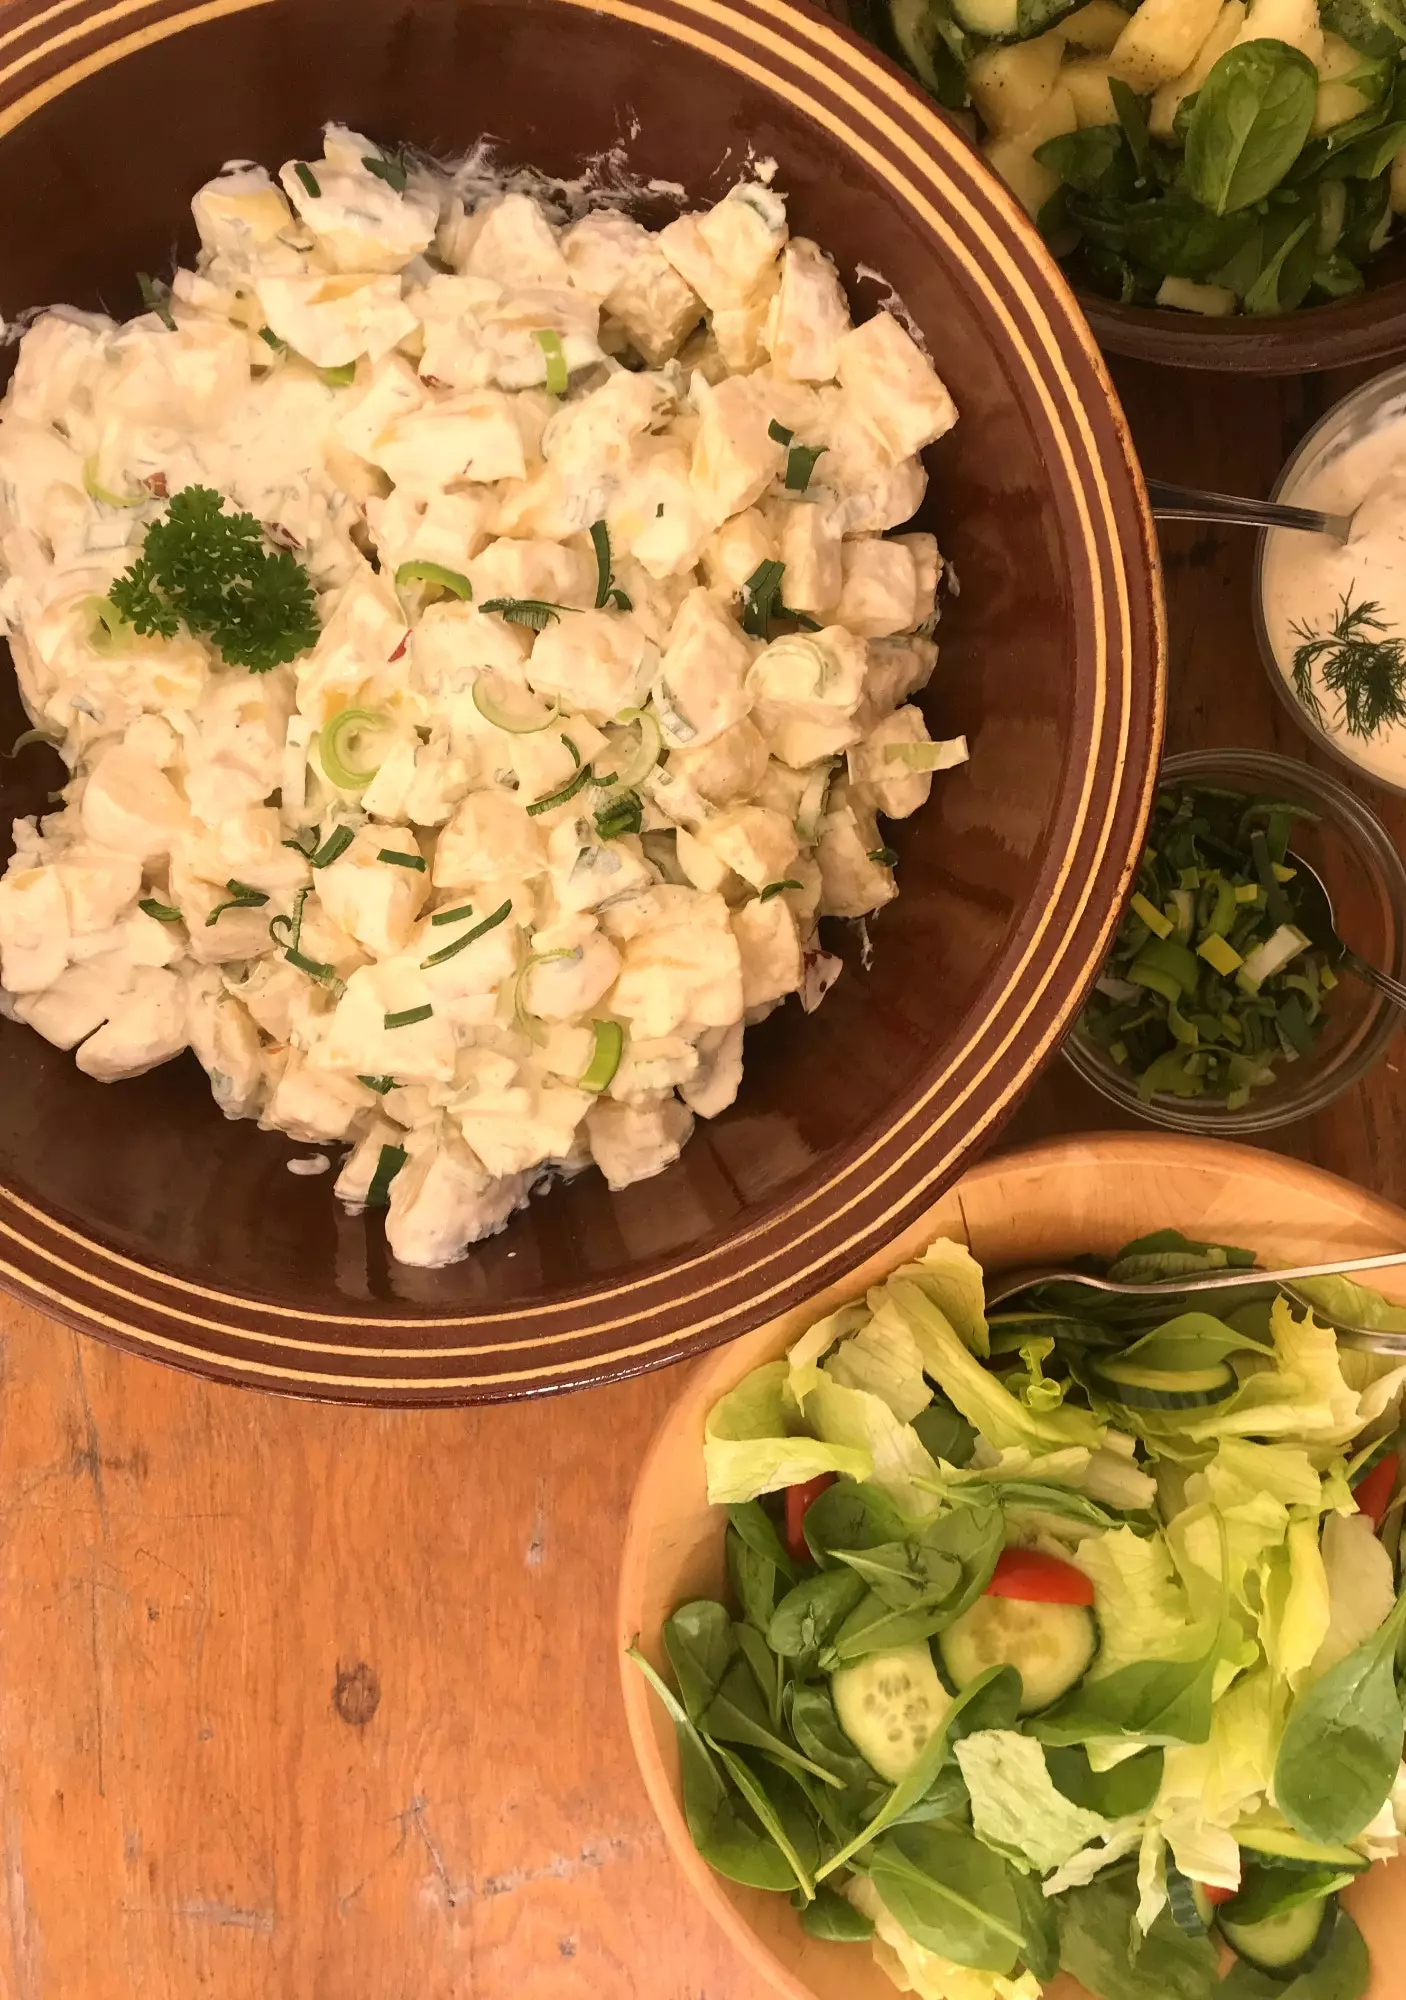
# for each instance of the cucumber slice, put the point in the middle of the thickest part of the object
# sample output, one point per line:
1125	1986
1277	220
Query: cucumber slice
1147	1388
915	31
1285	1945
996	18
1191	1908
1049	1645
1283	1886
1275	1843
889	1705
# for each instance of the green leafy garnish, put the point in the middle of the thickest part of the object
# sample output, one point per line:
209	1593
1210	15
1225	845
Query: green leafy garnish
325	975
380	1084
241	897
607	591
267	334
776	888
392	1159
800	464
533	612
388	167
622	815
211	571
399	860
156	297
435	574
307	177
453	916
558	379
761	602
460	944
885	857
1362	668
287	931
778	432
563	792
163	912
408	1016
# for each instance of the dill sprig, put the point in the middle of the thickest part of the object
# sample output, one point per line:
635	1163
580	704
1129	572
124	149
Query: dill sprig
1364	671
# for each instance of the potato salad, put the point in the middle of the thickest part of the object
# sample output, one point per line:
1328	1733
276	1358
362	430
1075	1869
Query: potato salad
480	655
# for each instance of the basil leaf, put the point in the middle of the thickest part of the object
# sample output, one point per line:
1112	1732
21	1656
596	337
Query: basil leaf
944	1433
1094	161
699	1642
1175	236
1280	286
951	1893
832	1917
1337	277
1253	114
1341	1747
1095	1945
1133	120
1374	27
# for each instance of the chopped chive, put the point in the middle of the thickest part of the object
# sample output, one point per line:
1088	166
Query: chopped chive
775	888
392	1159
622	815
326	975
659	511
886	857
600	542
778	432
605	1056
337	842
389	169
408	1016
452	916
534	612
267	333
380	1084
619	599
163	912
575	753
565	792
156	297
241	897
558	378
308	178
800	464
452	580
294	924
488	924
415	861
1159	925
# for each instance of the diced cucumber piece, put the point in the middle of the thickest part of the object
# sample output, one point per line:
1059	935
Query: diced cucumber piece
1190	1906
1274	1889
1050	1646
888	1705
915	31
1276	1843
997	18
1287	1944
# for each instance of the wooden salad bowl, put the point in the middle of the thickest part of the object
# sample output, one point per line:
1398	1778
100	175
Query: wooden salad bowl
1036	1207
137	1212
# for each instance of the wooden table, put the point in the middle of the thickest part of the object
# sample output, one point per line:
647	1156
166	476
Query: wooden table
306	1704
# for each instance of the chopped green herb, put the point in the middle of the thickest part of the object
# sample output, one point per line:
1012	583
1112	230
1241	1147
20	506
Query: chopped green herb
761	602
886	857
575	753
778	432
600	542
163	912
453	916
326	975
415	861
534	612
308	178
459	944
392	1159
380	1084
800	464
1365	671
287	931
390	168
340	375
337	842
623	815
605	1056
211	571
558	378
659	511
563	793
266	333
775	888
408	1016
241	897
452	580
156	297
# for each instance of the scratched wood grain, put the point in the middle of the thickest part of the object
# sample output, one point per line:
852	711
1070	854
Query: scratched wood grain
305	1702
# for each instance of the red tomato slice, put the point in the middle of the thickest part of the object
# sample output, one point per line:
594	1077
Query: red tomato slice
1373	1494
1213	1894
798	1499
1036	1578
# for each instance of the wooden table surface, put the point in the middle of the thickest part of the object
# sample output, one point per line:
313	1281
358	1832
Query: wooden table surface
301	1703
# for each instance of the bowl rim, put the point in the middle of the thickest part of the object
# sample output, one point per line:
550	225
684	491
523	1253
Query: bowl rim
1337	334
683	1305
994	1200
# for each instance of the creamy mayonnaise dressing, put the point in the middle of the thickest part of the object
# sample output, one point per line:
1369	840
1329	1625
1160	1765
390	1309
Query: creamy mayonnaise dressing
386	375
1306	577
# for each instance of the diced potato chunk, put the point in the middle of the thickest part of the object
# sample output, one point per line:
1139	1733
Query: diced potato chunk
1013	156
1169	97
1161	40
1291	21
1086	80
1095	27
1009	85
989	17
1338	100
1214	301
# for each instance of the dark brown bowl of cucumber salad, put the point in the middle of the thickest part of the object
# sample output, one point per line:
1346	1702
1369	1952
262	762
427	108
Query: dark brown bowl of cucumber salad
1220	179
1057	1648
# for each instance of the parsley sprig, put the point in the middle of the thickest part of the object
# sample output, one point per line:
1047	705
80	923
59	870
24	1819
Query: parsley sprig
212	572
1364	671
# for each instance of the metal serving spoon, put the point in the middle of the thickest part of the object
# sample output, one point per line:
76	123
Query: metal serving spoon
1188	503
1313	909
1250	1284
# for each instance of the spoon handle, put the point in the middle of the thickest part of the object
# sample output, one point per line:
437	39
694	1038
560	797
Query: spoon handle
1186	503
1393	989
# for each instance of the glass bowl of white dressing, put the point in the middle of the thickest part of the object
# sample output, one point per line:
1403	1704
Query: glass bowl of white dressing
1330	616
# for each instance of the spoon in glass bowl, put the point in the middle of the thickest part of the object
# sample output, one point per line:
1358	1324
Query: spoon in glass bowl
1188	503
1313	912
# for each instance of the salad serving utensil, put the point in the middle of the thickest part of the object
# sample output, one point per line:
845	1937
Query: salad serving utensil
1313	909
1190	503
1247	1284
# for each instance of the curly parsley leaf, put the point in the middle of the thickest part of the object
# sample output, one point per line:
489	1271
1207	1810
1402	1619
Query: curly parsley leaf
212	571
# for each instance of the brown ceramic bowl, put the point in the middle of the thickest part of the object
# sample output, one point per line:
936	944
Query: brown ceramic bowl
1039	1207
136	1211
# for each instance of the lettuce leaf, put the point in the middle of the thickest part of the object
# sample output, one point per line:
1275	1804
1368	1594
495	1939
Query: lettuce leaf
1221	1781
815	1343
953	1280
1340	1299
1295	1609
1361	1588
752	1442
1015	1807
1143	1610
883	1359
854	1421
1081	1868
914	1969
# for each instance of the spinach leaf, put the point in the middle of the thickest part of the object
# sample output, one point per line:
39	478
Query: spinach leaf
1175	236
753	1580
853	1514
904	1574
1034	16
1367	218
1374	27
995	1706
726	1835
832	1917
738	1714
1370	156
1133	120
1129	1788
946	1798
1253	114
1168	1701
919	1586
808	1617
1284	280
943	1431
1040	1951
951	1893
785	1820
1343	1973
767	1670
699	1642
1095	160
757	1530
1341	1747
1337	277
816	1728
1095	1945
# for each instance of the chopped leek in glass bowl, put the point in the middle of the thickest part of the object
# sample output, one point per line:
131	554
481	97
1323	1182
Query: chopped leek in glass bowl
1211	1015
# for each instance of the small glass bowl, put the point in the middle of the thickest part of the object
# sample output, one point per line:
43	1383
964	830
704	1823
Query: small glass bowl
1380	401
1363	872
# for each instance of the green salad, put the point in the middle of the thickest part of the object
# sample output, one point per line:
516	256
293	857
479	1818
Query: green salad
1202	154
1212	984
1058	1640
